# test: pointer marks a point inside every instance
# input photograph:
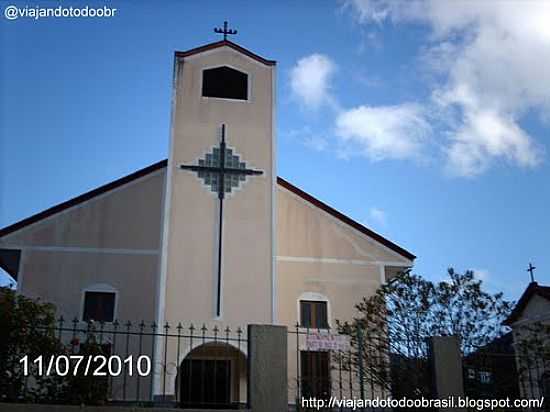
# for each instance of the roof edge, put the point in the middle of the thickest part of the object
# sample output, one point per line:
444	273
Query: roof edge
532	289
346	219
227	43
82	198
162	164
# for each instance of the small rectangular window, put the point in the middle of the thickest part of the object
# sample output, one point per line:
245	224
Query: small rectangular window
485	377
99	306
313	314
225	82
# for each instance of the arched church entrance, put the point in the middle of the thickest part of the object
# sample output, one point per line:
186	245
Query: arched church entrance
213	376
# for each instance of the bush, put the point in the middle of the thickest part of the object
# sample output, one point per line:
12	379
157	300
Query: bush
28	328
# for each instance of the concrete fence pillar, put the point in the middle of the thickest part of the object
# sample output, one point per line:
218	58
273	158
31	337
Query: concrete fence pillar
267	368
446	366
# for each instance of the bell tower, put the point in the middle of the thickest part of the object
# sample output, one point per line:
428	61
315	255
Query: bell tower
219	215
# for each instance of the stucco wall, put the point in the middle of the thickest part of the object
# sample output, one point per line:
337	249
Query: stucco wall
318	253
61	278
112	239
127	217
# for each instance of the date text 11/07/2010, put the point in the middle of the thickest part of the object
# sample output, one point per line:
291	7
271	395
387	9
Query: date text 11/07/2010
90	365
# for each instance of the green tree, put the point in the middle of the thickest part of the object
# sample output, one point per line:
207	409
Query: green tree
398	319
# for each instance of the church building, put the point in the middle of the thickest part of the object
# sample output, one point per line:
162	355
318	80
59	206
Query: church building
530	324
211	235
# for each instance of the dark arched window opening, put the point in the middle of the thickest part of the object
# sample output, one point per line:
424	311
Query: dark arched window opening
225	82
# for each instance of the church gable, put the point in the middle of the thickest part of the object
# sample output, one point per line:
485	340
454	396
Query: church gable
533	304
124	214
229	45
303	228
537	308
307	228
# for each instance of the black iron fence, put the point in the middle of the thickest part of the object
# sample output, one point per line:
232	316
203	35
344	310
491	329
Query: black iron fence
75	362
330	368
337	369
507	375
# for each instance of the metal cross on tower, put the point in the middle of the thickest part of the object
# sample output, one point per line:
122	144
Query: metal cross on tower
225	31
221	170
531	269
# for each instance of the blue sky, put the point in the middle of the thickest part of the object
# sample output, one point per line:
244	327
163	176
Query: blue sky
426	121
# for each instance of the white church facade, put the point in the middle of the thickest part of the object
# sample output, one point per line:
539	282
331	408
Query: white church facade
211	235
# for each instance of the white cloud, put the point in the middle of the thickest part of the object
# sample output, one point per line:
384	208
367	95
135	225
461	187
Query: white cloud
310	80
309	138
384	132
481	274
317	143
493	62
377	216
485	136
377	11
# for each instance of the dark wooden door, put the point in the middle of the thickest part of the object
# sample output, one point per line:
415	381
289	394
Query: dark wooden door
206	383
315	371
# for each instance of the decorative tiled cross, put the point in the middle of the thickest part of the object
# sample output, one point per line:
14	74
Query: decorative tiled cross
222	171
234	170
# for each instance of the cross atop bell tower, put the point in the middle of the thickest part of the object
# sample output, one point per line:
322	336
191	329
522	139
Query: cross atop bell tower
225	31
531	269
